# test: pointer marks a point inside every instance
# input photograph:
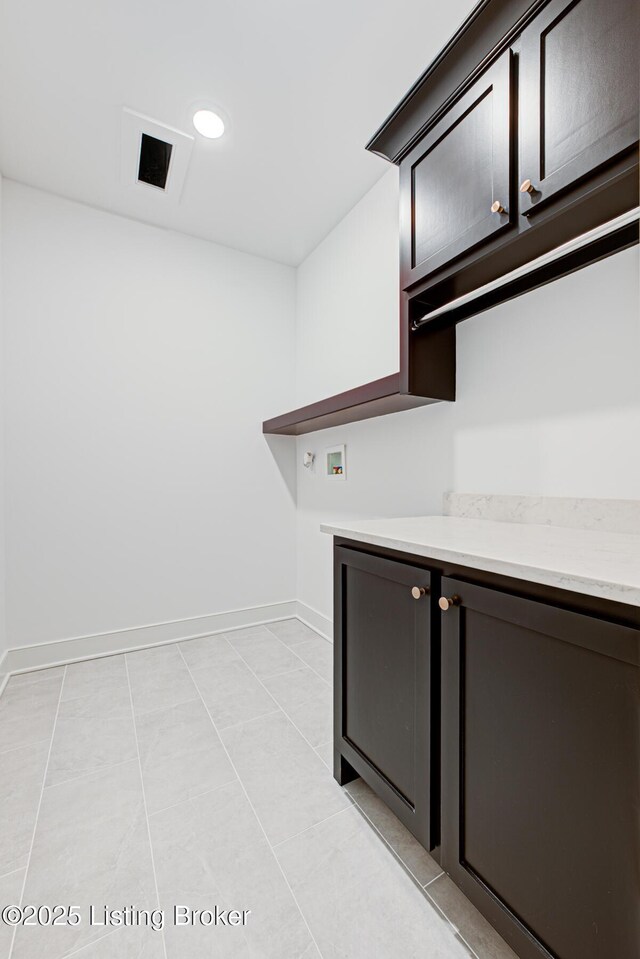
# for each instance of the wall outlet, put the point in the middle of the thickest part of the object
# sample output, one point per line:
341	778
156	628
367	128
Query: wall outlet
335	463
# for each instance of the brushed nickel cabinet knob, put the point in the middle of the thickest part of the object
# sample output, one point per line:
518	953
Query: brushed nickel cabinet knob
497	207
527	187
418	592
446	602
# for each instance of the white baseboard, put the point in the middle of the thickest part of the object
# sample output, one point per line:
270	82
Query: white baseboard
63	651
311	617
4	674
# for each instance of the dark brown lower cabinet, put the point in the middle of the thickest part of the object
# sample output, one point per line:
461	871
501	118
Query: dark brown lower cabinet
540	772
387	682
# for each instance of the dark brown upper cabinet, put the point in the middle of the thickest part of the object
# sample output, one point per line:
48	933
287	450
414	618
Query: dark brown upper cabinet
520	138
456	183
578	94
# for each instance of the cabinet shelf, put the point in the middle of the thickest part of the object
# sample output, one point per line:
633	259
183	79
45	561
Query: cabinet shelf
430	379
373	399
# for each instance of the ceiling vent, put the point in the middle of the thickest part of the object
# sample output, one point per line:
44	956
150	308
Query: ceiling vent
155	157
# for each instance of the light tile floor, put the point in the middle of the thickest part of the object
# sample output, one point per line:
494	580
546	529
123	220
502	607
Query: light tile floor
198	774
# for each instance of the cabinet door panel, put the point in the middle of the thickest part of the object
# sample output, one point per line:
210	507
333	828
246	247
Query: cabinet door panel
444	206
579	89
453	176
540	773
383	691
380	691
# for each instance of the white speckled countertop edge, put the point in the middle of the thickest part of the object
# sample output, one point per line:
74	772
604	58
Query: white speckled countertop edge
590	562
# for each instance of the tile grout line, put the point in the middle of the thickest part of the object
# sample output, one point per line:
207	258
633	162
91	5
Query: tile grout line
11	685
296	835
280	707
306	639
193	672
102	691
35	824
157	709
272	712
14	749
144	799
286	672
87	945
440	874
456	931
395	854
89	772
304	662
472	952
12	872
181	802
258	820
208	665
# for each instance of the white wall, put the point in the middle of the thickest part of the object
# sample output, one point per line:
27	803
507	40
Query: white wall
140	364
347	296
548	390
3	637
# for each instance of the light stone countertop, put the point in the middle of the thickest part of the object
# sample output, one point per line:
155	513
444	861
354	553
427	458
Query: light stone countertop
591	562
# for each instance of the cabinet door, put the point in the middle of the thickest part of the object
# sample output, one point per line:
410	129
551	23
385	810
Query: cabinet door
578	93
384	674
540	824
453	177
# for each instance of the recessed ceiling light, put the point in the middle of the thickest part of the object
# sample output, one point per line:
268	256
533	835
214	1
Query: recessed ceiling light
208	124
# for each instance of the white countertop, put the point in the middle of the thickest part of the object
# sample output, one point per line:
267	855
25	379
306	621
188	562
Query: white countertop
591	562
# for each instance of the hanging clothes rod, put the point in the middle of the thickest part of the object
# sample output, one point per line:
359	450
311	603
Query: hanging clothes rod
612	226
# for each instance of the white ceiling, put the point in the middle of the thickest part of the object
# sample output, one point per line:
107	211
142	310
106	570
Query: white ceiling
305	84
